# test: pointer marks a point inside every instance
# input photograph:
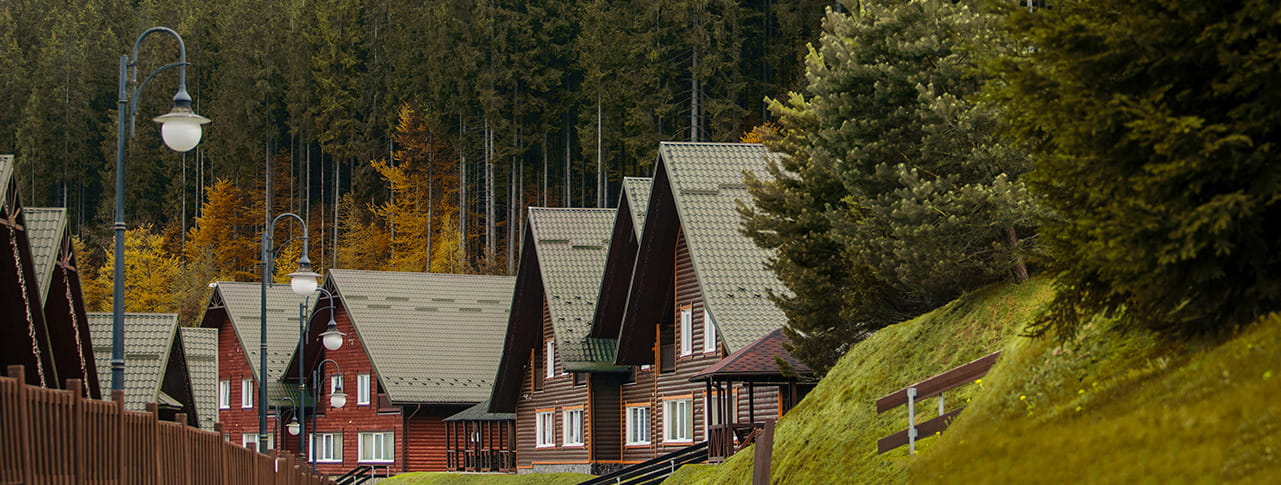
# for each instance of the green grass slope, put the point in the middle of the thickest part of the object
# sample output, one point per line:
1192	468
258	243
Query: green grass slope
1108	407
831	436
441	478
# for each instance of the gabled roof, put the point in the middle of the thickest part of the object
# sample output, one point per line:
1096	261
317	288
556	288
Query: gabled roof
636	196
621	258
200	345
756	361
700	185
148	339
480	412
21	311
431	337
570	245
45	231
242	304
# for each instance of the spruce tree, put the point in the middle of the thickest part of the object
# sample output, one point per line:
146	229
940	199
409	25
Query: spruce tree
1154	127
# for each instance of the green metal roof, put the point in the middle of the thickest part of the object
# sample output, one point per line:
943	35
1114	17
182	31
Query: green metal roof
571	245
480	412
242	302
636	192
431	337
148	340
707	183
200	345
45	229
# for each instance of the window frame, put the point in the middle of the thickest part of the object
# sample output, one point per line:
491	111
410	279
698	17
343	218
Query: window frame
686	336
246	394
335	448
364	387
632	425
224	394
549	353
576	427
545	428
709	333
387	441
678	408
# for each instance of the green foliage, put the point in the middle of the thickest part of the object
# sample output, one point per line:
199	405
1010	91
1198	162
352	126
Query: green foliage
1154	129
895	196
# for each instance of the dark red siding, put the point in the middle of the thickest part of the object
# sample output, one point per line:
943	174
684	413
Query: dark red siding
233	366
353	418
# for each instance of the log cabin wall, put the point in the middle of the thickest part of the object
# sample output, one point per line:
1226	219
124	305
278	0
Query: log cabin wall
556	394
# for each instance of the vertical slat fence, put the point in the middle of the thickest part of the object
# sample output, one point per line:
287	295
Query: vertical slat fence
50	436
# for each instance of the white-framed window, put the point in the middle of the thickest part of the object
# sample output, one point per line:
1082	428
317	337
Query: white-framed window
573	424
246	393
638	425
545	429
362	389
551	359
250	440
335	383
709	333
678	420
687	331
224	394
325	447
377	447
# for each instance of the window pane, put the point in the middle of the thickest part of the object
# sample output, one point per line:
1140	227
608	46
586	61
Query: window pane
687	330
362	389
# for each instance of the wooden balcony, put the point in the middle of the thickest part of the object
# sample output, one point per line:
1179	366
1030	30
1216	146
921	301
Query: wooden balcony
726	439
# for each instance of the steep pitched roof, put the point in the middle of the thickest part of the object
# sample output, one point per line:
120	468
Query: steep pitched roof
242	303
200	345
45	230
21	311
6	175
621	259
431	337
148	340
636	196
702	184
570	245
756	360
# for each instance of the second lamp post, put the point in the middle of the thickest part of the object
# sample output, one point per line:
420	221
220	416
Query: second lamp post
303	282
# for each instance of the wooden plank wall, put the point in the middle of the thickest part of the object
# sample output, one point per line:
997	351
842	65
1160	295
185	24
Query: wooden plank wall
56	436
555	394
425	445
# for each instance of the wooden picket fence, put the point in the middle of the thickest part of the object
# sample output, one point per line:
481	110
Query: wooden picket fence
56	436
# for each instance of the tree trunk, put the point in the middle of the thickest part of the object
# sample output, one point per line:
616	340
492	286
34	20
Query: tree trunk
600	156
1020	268
693	99
462	187
489	190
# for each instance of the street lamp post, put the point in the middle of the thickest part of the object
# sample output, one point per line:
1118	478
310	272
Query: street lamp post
303	283
181	131
337	398
330	343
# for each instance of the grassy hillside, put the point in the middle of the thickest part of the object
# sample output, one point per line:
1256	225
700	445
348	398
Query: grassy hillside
1108	407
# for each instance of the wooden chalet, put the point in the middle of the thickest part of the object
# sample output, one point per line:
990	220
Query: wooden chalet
54	259
419	348
551	368
754	366
235	311
697	293
480	441
155	363
24	337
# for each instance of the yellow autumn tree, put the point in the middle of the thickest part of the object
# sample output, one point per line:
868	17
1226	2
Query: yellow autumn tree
228	233
424	186
151	271
363	242
95	289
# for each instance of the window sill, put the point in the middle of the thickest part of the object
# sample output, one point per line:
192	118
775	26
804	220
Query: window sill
678	442
543	447
573	445
328	461
637	445
377	461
